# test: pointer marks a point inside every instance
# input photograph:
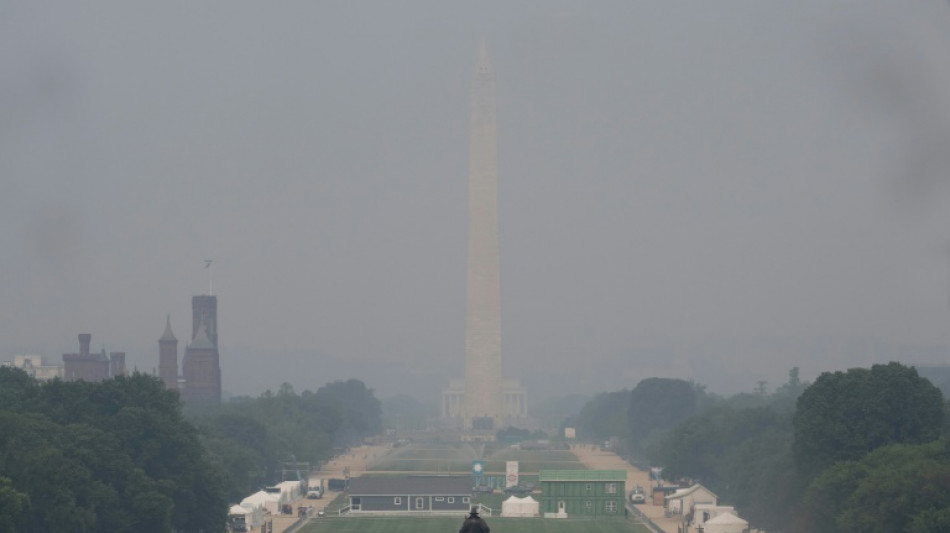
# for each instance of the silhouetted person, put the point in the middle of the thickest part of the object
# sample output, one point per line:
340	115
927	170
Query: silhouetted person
474	523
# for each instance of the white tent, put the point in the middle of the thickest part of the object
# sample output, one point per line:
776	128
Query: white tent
262	500
522	507
252	509
289	491
726	523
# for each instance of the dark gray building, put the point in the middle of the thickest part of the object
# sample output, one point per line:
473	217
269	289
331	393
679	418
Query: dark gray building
411	494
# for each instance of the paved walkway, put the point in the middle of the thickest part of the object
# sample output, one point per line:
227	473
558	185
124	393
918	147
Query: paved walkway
595	458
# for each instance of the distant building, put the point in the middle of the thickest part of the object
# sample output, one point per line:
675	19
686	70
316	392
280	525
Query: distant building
582	493
410	494
168	356
514	403
683	500
36	367
88	366
200	364
204	310
117	364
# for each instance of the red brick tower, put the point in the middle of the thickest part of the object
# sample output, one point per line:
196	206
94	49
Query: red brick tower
201	370
168	356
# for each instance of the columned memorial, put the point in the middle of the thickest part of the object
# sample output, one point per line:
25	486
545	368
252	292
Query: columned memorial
483	402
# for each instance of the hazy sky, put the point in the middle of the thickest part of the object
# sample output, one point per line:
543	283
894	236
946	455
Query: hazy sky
716	191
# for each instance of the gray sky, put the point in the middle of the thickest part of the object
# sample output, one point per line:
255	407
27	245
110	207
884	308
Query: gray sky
716	191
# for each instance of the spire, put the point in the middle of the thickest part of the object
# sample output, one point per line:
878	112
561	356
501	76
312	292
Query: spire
484	64
168	335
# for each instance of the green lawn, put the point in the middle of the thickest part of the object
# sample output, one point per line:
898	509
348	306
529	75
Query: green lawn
425	457
443	524
446	457
533	460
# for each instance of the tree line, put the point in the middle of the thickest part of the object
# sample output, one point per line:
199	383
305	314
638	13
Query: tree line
861	450
125	455
252	440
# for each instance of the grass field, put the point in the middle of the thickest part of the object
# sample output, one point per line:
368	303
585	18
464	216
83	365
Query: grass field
437	457
448	524
457	458
533	460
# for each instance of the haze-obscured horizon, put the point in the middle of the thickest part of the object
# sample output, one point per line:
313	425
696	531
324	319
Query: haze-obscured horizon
716	192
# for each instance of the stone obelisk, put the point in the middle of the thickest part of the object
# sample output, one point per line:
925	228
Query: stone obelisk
483	408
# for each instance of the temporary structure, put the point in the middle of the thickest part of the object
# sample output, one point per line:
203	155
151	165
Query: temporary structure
726	523
238	510
266	501
520	507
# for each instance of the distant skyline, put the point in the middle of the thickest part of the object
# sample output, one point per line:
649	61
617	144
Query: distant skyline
716	192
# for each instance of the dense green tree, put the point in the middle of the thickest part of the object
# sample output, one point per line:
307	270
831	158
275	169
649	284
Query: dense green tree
659	404
894	488
14	506
603	417
360	410
253	439
785	398
17	388
740	447
115	455
845	415
736	451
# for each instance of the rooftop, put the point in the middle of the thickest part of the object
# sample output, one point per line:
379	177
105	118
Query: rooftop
415	485
582	475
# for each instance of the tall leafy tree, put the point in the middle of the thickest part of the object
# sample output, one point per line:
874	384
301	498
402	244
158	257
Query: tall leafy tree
360	410
659	404
252	439
603	416
110	456
845	415
14	506
894	488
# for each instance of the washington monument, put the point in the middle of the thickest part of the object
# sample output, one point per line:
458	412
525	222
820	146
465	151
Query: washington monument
483	402
483	321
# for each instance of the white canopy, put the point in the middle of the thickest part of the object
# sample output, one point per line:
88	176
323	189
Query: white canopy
237	509
726	523
523	507
260	499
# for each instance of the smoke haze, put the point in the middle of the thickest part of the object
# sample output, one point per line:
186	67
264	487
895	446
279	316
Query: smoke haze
715	192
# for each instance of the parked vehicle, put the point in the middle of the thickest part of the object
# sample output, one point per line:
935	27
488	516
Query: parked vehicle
637	495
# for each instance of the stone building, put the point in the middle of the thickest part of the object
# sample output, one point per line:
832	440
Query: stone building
35	366
168	356
89	366
200	365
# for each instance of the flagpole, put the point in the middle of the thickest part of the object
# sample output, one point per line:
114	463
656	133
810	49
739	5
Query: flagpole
210	278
